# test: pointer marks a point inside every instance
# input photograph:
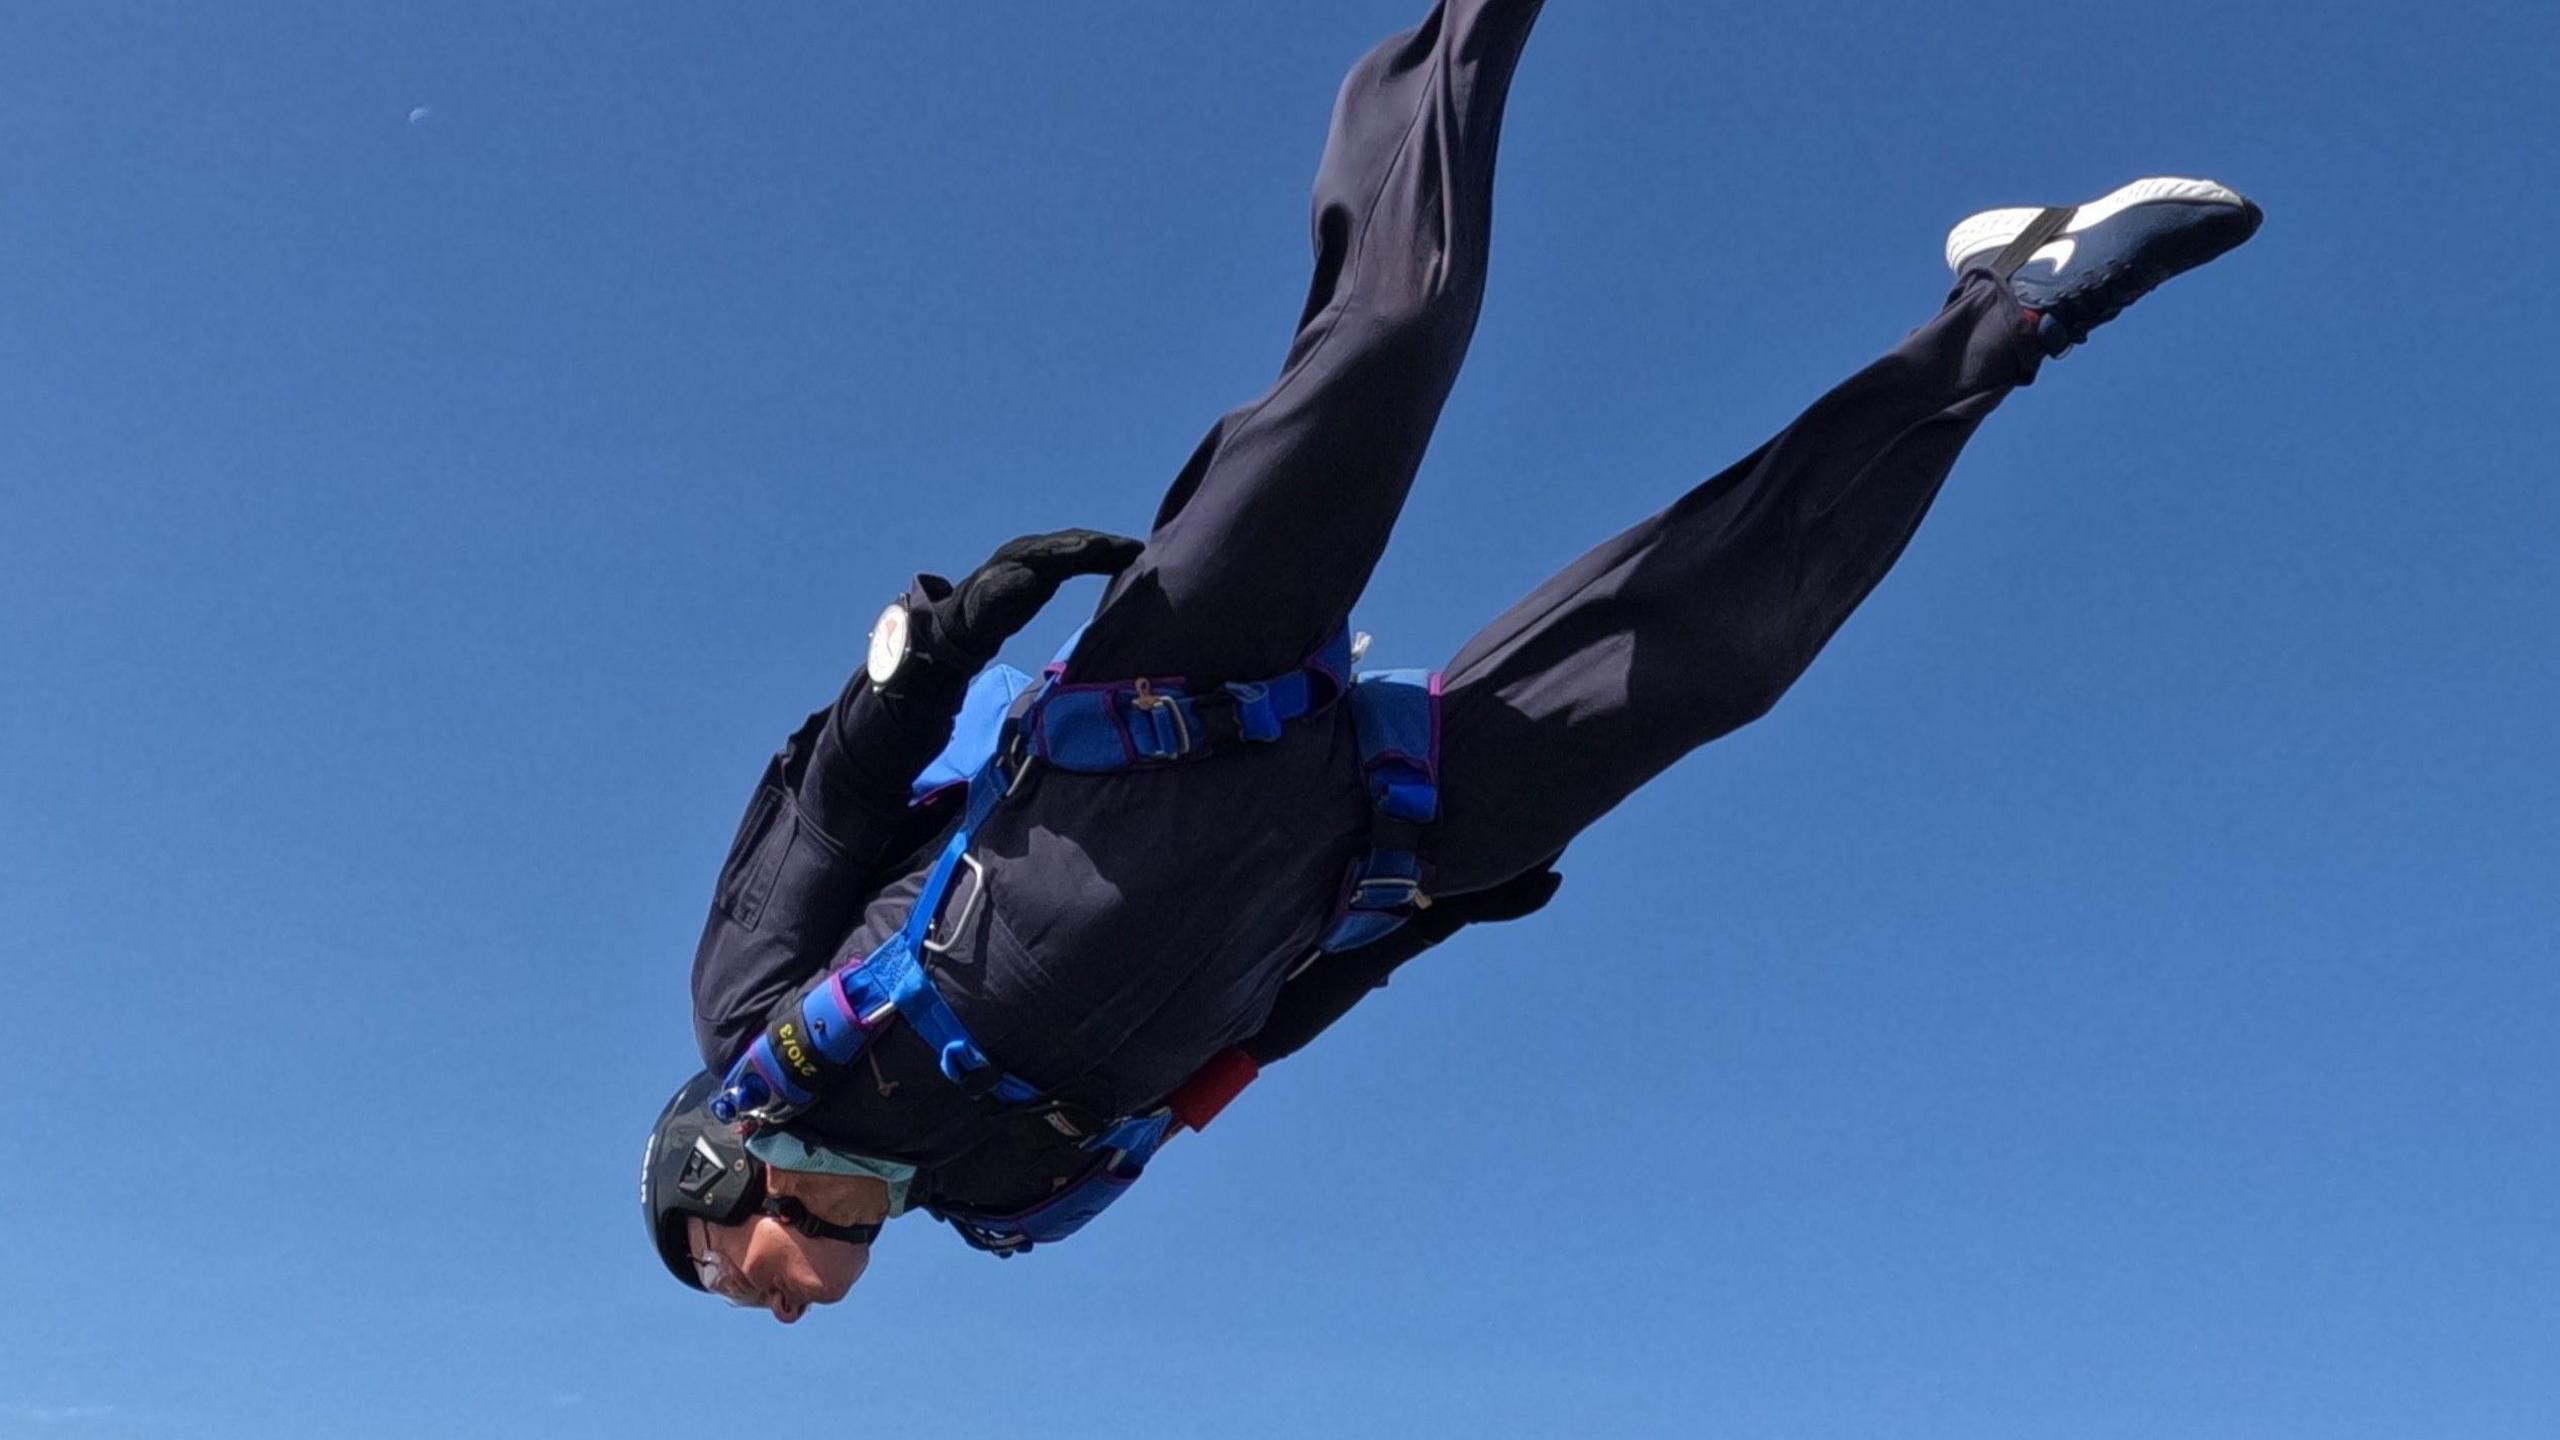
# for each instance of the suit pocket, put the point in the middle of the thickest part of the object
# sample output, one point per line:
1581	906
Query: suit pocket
756	856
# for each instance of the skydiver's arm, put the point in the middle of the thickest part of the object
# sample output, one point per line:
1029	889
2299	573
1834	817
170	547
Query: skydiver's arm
830	804
836	797
867	749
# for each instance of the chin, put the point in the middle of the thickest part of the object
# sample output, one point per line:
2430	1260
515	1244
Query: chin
829	1289
822	1278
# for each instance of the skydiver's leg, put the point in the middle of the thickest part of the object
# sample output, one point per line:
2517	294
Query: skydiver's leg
1693	623
1271	531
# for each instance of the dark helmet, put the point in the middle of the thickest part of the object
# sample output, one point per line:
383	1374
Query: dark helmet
695	1168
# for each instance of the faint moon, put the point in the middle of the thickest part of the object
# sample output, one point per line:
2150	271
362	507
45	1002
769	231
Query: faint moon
419	115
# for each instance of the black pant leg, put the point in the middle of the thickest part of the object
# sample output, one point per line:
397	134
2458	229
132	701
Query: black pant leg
1693	623
1273	527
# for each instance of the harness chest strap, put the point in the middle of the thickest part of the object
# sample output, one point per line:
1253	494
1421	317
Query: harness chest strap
1089	728
1101	728
1132	724
787	1067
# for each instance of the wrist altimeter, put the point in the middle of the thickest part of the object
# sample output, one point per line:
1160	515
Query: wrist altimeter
893	649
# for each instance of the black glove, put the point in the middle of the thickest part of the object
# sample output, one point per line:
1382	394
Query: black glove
998	598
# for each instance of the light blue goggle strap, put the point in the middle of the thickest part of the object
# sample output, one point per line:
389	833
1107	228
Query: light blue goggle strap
785	1151
1122	724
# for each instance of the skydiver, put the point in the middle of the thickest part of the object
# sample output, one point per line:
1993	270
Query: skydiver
1187	848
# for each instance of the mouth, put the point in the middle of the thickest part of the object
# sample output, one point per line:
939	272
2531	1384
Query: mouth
786	1298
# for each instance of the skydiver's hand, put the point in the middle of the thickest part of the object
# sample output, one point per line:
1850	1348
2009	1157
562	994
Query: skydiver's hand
1000	597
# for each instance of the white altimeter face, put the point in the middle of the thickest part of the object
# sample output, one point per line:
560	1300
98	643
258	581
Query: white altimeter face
888	645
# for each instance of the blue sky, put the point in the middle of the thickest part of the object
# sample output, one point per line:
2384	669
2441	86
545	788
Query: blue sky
445	448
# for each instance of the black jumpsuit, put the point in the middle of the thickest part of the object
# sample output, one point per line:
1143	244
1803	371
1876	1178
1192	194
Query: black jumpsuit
1135	924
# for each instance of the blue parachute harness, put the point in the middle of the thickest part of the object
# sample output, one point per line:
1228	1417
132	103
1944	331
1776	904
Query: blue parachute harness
1008	724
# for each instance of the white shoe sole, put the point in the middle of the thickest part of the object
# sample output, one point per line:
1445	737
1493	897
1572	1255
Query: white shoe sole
1993	229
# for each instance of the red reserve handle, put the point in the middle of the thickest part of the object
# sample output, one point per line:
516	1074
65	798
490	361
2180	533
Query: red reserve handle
1197	1101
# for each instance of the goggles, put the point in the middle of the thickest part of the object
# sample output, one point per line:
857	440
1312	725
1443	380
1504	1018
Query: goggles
715	1272
724	1280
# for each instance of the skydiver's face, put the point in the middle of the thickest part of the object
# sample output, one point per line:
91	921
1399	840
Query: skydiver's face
764	1264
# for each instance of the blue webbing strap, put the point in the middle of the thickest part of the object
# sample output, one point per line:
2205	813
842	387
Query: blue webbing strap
1396	715
1126	1148
1137	1138
1097	729
896	970
1094	728
839	1016
977	732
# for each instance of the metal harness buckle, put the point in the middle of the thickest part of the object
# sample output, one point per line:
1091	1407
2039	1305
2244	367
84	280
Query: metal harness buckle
940	938
1018	757
1388	892
1155	707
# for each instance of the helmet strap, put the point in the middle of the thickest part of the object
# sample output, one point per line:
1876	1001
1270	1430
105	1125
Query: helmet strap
791	1212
